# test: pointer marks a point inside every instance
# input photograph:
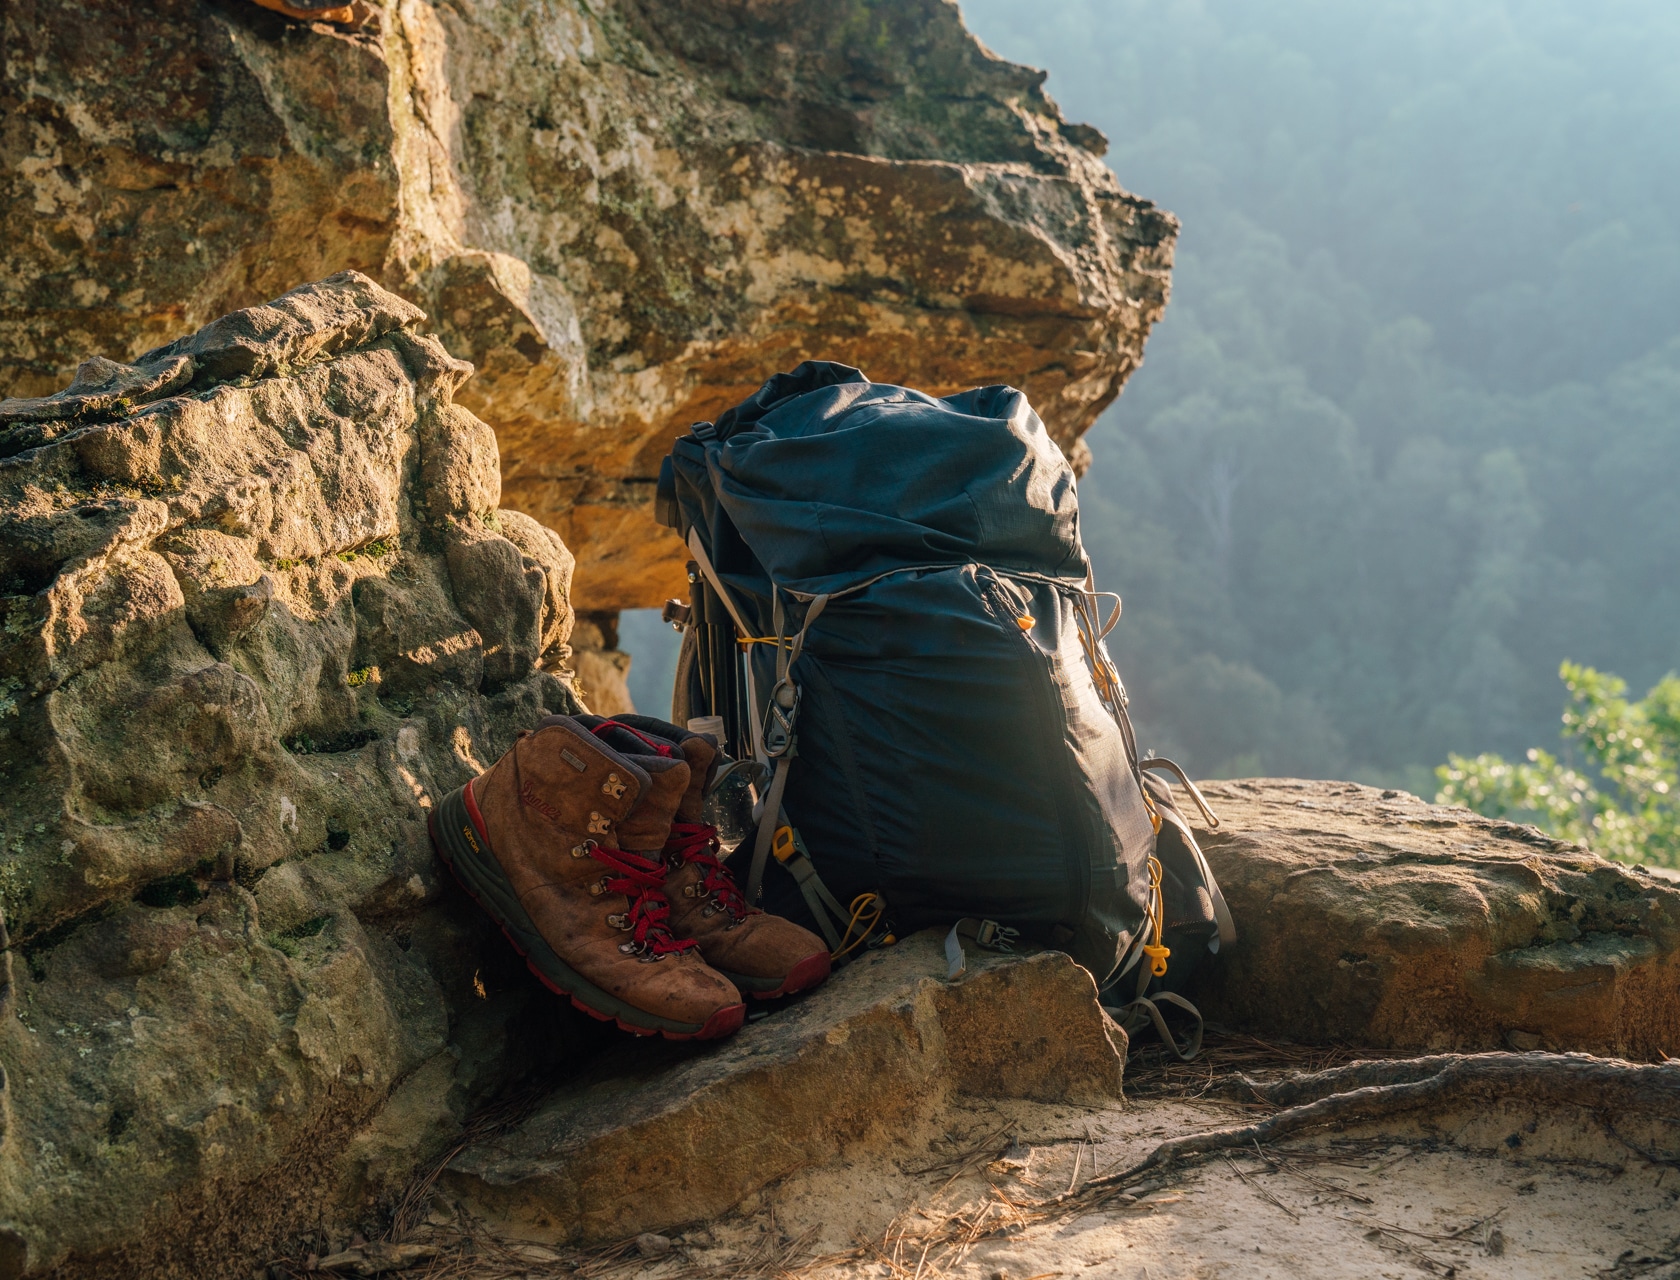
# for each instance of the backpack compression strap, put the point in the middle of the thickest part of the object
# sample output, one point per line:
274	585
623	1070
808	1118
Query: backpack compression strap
779	737
775	743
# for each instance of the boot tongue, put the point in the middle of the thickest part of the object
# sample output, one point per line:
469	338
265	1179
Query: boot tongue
702	759
646	828
641	736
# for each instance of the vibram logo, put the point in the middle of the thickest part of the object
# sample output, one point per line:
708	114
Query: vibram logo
530	797
598	825
466	831
613	787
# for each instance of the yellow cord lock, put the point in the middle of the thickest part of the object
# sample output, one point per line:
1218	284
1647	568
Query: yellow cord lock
1158	950
1026	622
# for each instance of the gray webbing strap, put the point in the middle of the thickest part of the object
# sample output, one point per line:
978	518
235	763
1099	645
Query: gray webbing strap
1133	1016
982	933
1161	762
768	821
818	898
698	549
1221	909
770	816
785	658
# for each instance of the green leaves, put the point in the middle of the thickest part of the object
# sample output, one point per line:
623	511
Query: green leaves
1623	805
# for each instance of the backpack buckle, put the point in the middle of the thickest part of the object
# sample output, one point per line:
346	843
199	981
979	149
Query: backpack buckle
995	937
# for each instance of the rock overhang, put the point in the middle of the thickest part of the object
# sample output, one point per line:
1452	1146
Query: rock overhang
627	217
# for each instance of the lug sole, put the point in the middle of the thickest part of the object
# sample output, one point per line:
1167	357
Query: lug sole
458	836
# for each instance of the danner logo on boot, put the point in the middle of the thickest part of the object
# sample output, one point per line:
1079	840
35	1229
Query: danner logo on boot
528	794
613	787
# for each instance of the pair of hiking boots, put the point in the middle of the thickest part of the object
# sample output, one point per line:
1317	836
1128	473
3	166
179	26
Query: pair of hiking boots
586	844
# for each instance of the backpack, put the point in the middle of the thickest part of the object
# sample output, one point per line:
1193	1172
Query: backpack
893	625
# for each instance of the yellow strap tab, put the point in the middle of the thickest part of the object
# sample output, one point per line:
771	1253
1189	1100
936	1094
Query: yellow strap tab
781	844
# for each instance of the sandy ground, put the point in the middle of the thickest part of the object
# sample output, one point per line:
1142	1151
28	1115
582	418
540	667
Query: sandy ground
1371	1205
1500	1193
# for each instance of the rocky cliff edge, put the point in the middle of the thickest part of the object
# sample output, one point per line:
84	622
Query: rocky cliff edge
627	215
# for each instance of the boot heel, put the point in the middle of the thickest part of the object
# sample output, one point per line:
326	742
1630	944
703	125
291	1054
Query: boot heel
461	843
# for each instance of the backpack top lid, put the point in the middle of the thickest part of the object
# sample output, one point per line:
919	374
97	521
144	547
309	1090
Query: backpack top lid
831	479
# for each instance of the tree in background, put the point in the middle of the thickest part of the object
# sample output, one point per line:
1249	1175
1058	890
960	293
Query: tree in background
1623	804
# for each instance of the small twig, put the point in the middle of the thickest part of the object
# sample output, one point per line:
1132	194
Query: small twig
1392	1234
1479	1222
920	1262
1289	1167
1258	1188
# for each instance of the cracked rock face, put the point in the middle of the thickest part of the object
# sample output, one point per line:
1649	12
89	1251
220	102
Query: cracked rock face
626	215
1371	918
261	609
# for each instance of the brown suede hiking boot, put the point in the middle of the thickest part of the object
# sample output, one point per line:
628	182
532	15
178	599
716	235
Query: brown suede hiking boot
535	840
762	954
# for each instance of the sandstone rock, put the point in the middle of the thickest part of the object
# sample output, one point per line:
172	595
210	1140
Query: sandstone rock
626	214
257	619
662	1135
603	669
1374	918
542	545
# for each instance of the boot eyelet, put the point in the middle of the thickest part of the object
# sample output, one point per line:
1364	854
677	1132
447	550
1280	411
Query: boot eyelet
598	826
613	787
599	887
585	849
619	920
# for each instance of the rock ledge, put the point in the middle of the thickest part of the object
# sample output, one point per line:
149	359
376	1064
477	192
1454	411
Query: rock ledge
654	1139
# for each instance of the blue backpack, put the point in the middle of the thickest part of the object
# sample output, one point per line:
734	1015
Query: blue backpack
892	616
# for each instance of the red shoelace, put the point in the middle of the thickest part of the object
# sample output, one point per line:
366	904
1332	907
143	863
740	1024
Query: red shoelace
642	880
697	842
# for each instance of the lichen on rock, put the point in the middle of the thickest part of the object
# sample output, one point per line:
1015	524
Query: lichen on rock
261	610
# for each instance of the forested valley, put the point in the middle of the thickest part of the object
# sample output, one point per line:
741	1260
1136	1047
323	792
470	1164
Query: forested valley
1409	435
